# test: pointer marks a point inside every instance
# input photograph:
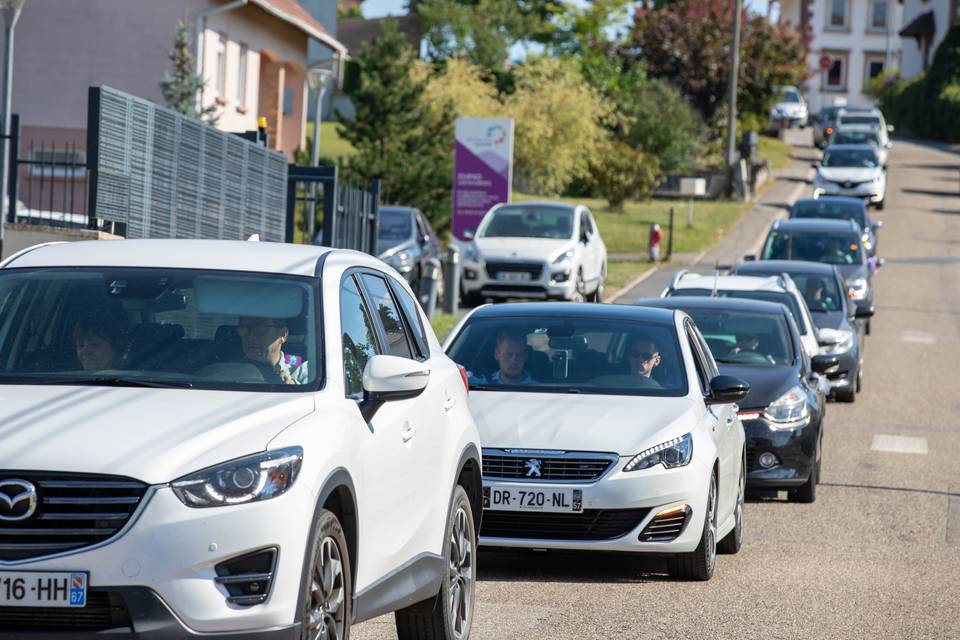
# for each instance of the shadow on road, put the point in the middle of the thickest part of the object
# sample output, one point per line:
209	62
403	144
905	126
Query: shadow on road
564	566
872	487
932	167
947	212
931	192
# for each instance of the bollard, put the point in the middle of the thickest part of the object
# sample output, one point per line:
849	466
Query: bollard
451	280
429	285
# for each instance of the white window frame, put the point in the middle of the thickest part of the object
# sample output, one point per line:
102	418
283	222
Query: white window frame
242	71
829	26
844	57
870	9
220	69
868	57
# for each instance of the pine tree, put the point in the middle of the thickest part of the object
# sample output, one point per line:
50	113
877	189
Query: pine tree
399	139
182	86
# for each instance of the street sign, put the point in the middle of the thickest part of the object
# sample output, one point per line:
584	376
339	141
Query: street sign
825	62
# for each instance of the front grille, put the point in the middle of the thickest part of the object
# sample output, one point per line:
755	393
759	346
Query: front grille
591	524
578	468
104	611
533	268
73	511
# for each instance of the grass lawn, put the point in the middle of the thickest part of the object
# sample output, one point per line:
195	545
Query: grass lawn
443	324
332	146
775	151
621	273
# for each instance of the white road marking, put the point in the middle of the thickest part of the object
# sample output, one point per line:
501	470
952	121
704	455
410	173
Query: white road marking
899	444
920	337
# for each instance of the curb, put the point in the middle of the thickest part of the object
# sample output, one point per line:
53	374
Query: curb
792	197
643	276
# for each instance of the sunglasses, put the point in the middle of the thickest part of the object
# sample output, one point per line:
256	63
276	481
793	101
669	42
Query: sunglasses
643	355
259	327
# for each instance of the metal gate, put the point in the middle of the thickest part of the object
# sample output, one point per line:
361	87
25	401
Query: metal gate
323	210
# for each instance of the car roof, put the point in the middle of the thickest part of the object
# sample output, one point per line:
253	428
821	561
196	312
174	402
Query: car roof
815	225
398	208
554	310
226	255
729	283
784	266
540	203
720	304
829	199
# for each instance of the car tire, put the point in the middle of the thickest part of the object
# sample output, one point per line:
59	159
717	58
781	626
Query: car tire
700	564
732	542
597	295
328	586
846	395
807	492
859	378
448	615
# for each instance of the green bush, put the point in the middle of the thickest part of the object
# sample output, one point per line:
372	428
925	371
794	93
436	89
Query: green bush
620	172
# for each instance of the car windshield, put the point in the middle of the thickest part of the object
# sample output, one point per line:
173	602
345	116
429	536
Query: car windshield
852	119
859	158
813	247
571	355
740	337
821	293
790	96
831	209
855	137
394	227
529	222
153	327
780	297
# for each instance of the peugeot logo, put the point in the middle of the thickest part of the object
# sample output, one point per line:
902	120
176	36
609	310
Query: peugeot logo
533	468
18	500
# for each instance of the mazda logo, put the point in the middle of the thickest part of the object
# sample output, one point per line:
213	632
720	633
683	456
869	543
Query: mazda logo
533	468
18	500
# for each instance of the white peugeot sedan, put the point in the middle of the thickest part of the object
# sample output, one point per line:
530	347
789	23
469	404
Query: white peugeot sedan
228	440
543	250
604	427
852	170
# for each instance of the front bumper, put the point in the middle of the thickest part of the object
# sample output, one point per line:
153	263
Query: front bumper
795	449
546	282
866	191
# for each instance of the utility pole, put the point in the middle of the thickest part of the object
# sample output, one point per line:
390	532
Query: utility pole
10	10
732	92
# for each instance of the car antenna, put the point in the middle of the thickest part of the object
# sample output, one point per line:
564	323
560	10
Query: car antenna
716	278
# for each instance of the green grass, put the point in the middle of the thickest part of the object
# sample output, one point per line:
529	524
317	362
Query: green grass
775	151
443	324
620	274
332	146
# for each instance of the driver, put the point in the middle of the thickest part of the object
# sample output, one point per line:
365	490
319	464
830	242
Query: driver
746	343
643	356
511	355
814	294
262	340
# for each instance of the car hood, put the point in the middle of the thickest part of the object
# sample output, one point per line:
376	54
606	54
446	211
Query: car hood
766	383
789	107
853	271
849	174
830	320
577	422
153	435
389	252
522	248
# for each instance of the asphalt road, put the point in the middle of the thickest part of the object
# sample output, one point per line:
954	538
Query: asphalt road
878	554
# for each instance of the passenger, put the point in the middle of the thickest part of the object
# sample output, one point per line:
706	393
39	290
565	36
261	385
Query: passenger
262	340
642	356
745	343
511	355
100	340
814	294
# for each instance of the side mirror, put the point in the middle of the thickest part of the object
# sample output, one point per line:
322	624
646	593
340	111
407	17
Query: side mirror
881	262
876	224
827	337
889	145
424	240
468	234
727	390
584	238
889	128
387	378
822	364
749	258
862	313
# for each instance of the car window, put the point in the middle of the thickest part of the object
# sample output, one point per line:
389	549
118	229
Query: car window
528	221
421	227
358	336
698	361
744	337
820	292
585	223
393	228
831	209
394	330
412	317
780	297
850	158
829	248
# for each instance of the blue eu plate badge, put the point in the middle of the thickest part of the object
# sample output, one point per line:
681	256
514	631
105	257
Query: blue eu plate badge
78	589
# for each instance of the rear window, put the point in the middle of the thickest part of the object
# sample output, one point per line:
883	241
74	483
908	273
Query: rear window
571	355
779	297
737	337
831	210
852	119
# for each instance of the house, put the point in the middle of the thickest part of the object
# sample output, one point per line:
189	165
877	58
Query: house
925	24
852	41
252	55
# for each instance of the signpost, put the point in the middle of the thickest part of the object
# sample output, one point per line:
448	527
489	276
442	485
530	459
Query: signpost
482	170
692	188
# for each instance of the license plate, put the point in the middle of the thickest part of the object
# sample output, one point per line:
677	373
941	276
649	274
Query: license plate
514	497
513	276
42	589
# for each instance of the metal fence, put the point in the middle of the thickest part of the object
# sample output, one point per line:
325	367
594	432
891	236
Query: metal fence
324	210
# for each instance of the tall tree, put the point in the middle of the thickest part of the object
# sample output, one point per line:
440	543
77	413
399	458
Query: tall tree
399	138
181	87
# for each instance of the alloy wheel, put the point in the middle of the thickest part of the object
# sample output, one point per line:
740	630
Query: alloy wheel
461	574
711	541
578	295
325	618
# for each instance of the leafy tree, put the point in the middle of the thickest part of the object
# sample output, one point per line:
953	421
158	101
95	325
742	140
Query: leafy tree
399	138
662	123
463	85
620	171
181	86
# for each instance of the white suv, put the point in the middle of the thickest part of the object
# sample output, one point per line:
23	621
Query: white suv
546	250
227	439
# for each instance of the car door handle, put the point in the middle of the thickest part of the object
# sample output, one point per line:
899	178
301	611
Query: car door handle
408	432
449	403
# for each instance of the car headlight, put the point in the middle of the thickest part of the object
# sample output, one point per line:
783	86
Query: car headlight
671	454
258	477
566	256
470	253
401	260
789	410
857	288
836	341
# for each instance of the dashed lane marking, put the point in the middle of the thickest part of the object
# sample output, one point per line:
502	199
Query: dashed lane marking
899	444
919	337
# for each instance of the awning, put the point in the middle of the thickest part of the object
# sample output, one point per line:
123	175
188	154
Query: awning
924	26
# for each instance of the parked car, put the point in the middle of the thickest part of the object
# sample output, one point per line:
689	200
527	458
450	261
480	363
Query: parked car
406	241
783	414
824	125
789	107
547	250
605	428
229	439
864	134
870	116
837	242
841	208
779	288
851	170
834	315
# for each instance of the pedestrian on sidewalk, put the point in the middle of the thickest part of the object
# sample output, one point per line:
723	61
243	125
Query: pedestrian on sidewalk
656	236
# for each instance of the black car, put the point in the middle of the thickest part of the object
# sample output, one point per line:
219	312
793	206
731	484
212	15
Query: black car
783	414
833	314
825	122
405	241
836	242
841	208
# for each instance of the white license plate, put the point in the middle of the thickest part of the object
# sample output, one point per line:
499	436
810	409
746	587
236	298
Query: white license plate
513	276
42	589
517	497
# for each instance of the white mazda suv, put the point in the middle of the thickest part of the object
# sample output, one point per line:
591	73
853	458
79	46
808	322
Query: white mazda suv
209	439
605	428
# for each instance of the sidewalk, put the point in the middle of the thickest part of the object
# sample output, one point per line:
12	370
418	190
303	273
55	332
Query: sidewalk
747	236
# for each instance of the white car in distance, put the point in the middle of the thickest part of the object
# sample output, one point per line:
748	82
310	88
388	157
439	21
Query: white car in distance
605	428
852	170
228	439
540	250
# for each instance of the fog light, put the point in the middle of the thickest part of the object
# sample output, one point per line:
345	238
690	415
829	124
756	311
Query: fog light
562	276
767	460
469	274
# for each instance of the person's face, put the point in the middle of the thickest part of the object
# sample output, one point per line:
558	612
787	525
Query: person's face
643	358
95	353
262	339
748	343
511	355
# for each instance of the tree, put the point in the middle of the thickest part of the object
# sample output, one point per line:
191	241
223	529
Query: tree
181	86
461	84
661	122
399	138
620	171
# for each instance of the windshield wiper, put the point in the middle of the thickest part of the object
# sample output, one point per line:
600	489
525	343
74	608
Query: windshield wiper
111	381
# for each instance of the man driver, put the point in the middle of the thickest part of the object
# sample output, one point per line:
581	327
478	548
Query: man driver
262	340
642	356
511	355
